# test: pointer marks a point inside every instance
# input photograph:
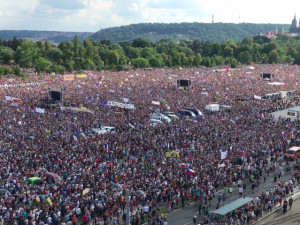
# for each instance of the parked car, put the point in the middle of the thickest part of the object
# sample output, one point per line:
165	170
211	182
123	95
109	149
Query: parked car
161	117
171	115
154	122
196	111
186	113
293	153
103	130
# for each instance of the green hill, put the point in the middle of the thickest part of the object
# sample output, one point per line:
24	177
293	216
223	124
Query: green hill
52	36
210	32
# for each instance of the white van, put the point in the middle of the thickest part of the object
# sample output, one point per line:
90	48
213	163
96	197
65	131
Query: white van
212	107
161	117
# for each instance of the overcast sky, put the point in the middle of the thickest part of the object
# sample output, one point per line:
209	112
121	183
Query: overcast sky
91	15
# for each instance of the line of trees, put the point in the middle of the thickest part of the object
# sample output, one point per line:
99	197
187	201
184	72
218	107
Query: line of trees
89	54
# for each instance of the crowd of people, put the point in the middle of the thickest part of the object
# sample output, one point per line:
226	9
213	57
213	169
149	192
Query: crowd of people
58	140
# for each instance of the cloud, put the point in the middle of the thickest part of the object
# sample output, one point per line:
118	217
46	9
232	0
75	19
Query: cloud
91	15
63	4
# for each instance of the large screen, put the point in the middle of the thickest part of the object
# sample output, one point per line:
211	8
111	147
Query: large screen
183	83
266	76
55	95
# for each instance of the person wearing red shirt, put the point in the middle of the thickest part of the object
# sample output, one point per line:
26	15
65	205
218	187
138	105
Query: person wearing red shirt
85	219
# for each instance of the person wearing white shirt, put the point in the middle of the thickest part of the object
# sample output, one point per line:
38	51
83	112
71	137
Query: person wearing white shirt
146	209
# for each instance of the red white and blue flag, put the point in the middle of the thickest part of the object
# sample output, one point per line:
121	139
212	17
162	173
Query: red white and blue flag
190	172
106	147
182	165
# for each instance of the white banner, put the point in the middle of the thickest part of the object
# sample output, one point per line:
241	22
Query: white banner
20	85
257	97
223	155
40	110
155	103
120	105
8	98
14	104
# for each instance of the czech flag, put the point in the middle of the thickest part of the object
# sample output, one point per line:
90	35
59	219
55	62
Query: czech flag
106	147
190	172
182	165
133	159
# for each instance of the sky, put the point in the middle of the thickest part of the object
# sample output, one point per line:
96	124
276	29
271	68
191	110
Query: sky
93	15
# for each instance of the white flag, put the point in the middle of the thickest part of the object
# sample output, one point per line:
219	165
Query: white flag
257	97
75	138
223	155
8	98
155	103
40	110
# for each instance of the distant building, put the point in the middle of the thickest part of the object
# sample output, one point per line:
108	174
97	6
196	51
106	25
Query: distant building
295	27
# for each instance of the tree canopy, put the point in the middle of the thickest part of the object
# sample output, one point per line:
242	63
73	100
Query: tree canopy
140	53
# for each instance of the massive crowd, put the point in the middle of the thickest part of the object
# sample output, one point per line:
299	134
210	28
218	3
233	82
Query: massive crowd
58	141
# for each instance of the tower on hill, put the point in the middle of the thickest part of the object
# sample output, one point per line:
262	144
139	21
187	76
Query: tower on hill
294	28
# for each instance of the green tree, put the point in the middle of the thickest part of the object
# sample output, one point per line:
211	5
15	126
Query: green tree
17	71
228	51
132	53
219	60
41	48
244	57
76	44
6	54
208	61
6	70
140	63
167	59
234	63
89	49
42	64
88	64
141	43
26	53
297	59
197	60
113	58
54	55
269	47
47	45
264	58
156	61
148	52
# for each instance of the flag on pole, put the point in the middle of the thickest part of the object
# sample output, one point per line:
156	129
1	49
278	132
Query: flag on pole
223	155
106	147
190	172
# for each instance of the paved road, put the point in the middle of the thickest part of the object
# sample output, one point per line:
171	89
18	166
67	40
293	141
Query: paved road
185	216
276	218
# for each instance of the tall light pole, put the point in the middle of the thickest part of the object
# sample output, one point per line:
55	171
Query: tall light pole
137	193
127	207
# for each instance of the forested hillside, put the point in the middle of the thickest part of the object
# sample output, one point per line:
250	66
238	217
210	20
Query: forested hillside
207	32
52	36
